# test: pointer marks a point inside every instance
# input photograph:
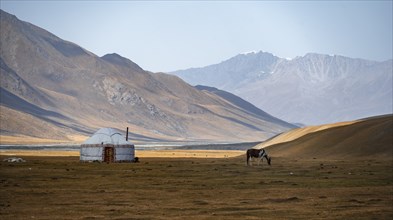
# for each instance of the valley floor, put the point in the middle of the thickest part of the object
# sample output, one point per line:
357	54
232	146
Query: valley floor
195	188
138	153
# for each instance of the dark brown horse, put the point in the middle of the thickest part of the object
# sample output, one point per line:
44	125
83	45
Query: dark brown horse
259	154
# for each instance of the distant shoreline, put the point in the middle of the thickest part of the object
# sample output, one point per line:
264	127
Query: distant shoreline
138	147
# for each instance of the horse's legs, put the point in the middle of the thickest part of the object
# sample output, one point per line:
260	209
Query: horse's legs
260	159
267	159
247	158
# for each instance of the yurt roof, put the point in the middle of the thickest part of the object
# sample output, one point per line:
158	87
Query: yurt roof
107	136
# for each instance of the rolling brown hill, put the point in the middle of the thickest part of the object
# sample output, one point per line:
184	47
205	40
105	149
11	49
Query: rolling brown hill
368	138
54	89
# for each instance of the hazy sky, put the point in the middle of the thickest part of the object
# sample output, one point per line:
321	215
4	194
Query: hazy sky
172	35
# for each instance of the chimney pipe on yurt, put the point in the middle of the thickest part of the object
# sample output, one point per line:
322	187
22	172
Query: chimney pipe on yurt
127	134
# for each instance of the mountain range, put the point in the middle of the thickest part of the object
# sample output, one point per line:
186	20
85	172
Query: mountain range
312	89
56	90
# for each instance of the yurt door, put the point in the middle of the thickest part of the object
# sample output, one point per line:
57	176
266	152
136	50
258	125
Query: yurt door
109	154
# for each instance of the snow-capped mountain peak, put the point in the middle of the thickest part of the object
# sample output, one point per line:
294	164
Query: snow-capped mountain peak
311	89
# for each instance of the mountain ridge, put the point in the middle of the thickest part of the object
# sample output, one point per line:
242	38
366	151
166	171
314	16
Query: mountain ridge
241	103
312	89
50	75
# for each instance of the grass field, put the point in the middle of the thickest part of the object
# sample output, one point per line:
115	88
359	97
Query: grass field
196	188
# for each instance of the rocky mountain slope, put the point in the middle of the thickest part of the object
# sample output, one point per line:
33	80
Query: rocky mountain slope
54	89
313	89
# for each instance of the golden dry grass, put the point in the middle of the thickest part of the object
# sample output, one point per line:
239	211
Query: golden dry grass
41	153
190	153
138	153
195	188
28	140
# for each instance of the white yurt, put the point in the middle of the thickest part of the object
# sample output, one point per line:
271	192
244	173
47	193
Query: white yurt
107	145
